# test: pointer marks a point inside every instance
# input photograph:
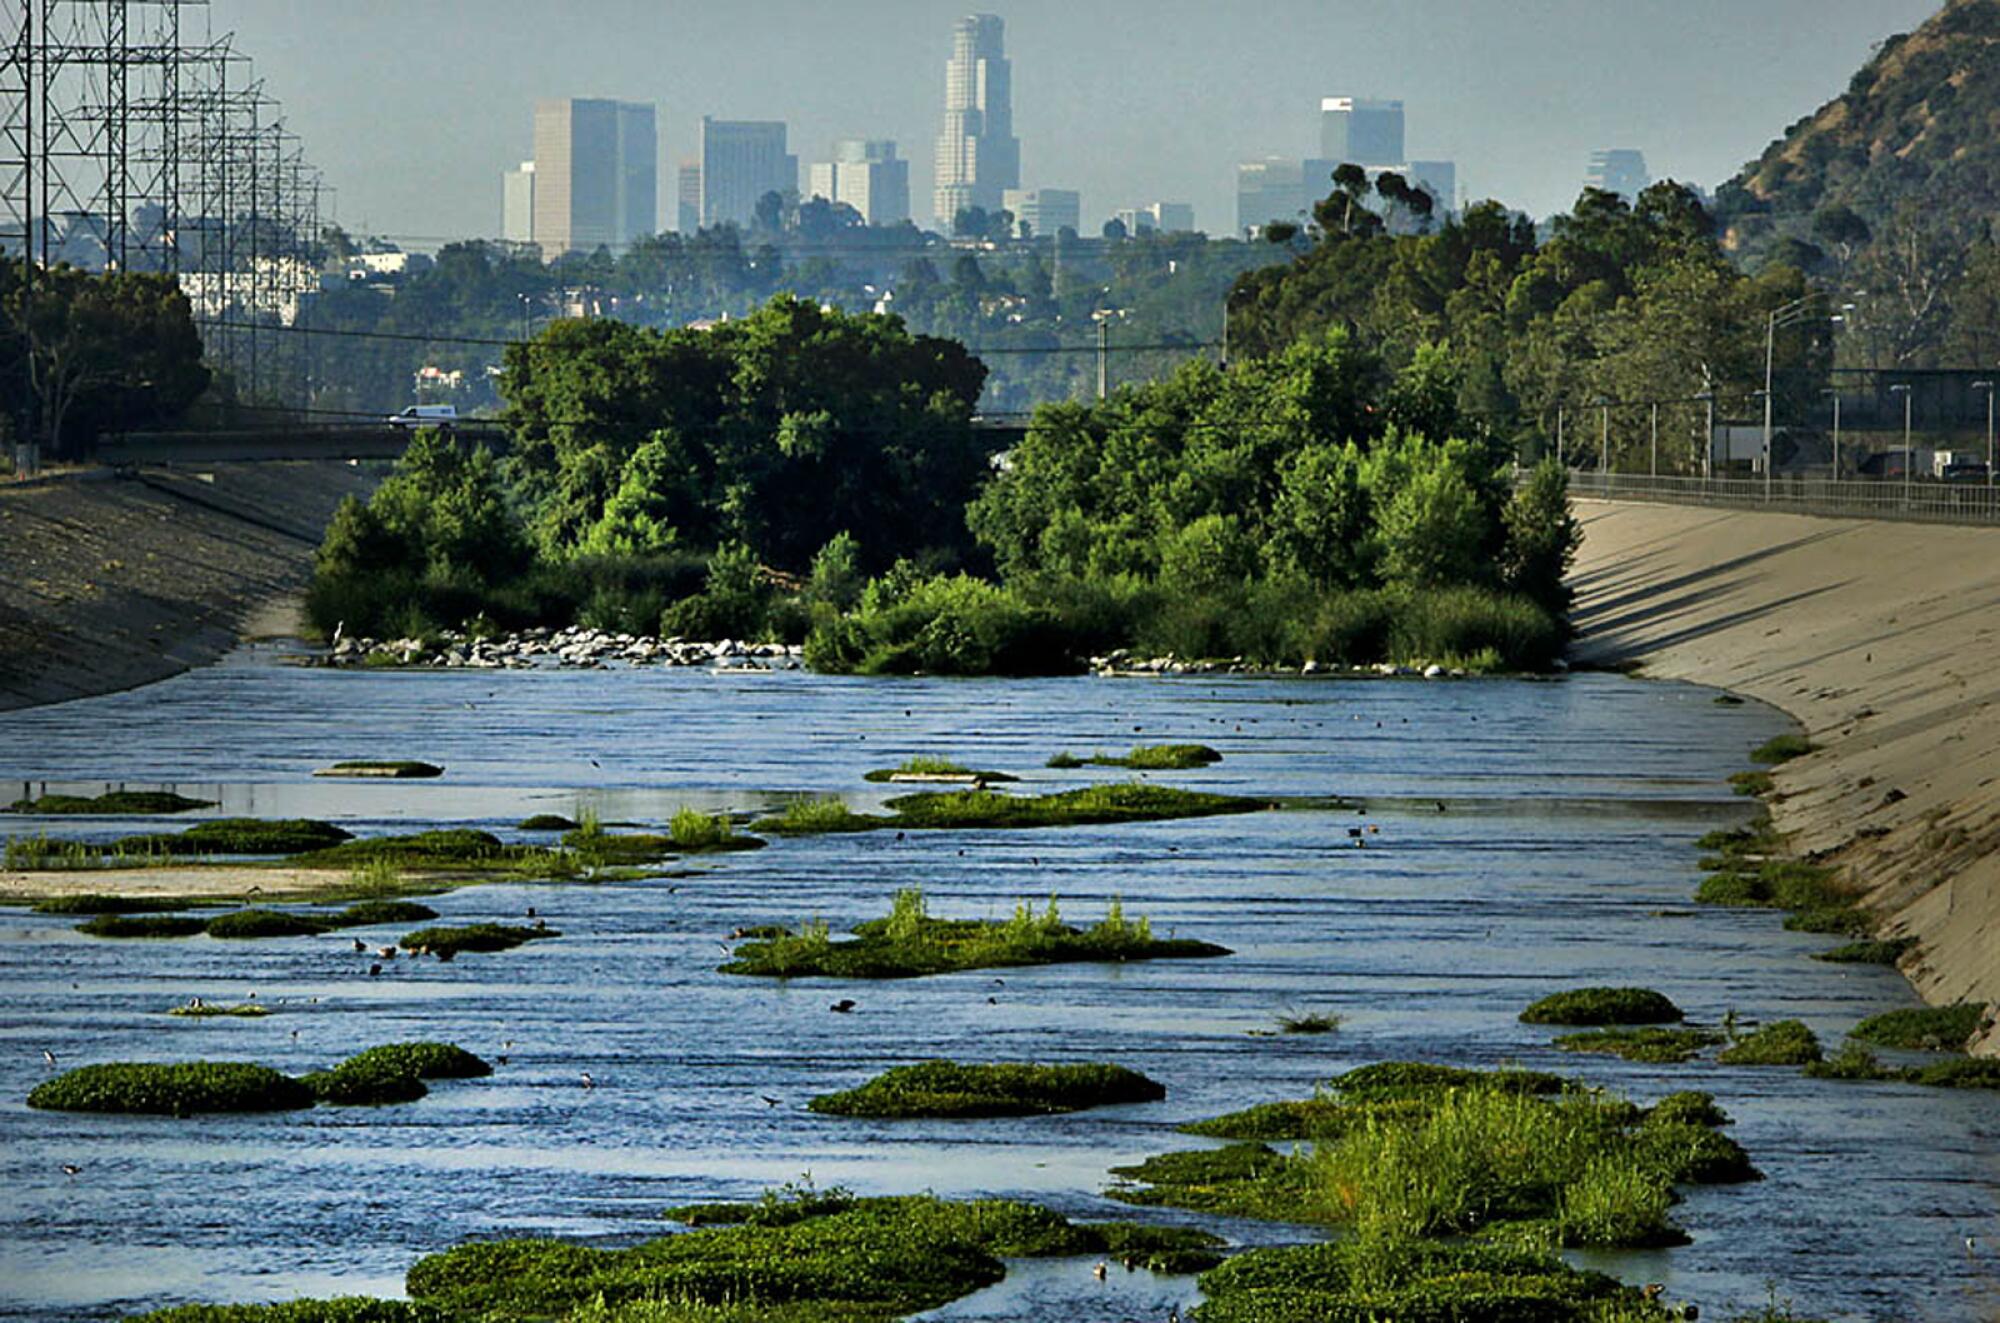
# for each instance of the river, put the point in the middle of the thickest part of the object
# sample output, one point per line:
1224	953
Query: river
1563	855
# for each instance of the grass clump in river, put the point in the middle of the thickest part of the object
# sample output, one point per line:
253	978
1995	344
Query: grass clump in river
909	943
1855	1062
1782	1043
1446	1160
1585	1006
117	803
1377	1278
947	1088
804	1255
1091	804
1146	758
182	1089
811	815
922	768
1405	1085
1781	749
1929	1028
547	822
1308	1022
141	925
1652	1045
1884	952
696	832
100	904
244	924
445	942
446	850
253	836
369	913
393	1073
394	768
340	1309
202	1010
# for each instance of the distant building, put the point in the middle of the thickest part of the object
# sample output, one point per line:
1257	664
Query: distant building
1273	189
1169	217
687	211
1437	178
1620	170
1046	210
978	156
868	176
1362	131
517	204
596	175
741	161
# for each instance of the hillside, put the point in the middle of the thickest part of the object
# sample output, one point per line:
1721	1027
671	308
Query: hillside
1920	123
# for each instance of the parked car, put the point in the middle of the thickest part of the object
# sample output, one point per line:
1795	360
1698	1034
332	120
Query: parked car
425	415
1965	470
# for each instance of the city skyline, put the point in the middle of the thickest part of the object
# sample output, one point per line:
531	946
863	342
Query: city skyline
1190	100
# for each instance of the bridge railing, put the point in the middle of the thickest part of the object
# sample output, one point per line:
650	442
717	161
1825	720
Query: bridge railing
1922	500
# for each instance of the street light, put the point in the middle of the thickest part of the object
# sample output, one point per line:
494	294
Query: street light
1604	437
1904	391
1835	392
1987	386
1788	314
1707	397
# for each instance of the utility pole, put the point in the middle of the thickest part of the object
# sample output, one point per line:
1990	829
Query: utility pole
30	423
1103	359
1904	391
1654	466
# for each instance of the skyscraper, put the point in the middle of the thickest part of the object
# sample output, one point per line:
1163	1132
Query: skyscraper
1620	170
1273	189
687	214
1045	211
517	204
596	177
978	156
1359	131
868	176
741	161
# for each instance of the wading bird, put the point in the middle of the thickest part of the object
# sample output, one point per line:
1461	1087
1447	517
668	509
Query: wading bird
843	1006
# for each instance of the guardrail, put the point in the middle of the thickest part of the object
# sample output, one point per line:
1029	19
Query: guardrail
1922	500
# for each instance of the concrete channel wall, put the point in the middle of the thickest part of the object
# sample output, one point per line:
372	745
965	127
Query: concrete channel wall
110	581
1883	640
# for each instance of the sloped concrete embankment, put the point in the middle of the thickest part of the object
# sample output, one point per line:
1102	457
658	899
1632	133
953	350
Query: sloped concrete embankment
1880	638
107	582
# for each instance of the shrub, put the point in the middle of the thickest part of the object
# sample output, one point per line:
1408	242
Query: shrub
1687	1108
263	923
1970	1073
944	626
1148	757
171	1090
695	830
199	1010
1583	1006
143	925
1853	1062
946	1088
1932	1028
1783	1043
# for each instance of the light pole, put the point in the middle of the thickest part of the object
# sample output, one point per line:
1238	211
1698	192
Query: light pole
1559	436
1785	315
1904	391
1835	392
1653	468
1604	437
1987	386
1708	444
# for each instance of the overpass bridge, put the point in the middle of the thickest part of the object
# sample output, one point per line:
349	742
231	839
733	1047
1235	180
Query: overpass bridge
349	441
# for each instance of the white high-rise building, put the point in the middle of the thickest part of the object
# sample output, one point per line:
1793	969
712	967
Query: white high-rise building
868	176
978	156
517	204
596	175
1046	211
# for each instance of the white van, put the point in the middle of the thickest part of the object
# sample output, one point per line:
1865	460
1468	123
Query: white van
425	415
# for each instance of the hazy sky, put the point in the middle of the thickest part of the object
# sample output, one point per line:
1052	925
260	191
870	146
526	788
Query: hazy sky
412	108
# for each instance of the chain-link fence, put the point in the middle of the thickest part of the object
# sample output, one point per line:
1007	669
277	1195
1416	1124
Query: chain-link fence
1921	499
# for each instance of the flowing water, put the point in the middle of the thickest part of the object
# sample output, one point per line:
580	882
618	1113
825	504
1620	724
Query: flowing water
1562	855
